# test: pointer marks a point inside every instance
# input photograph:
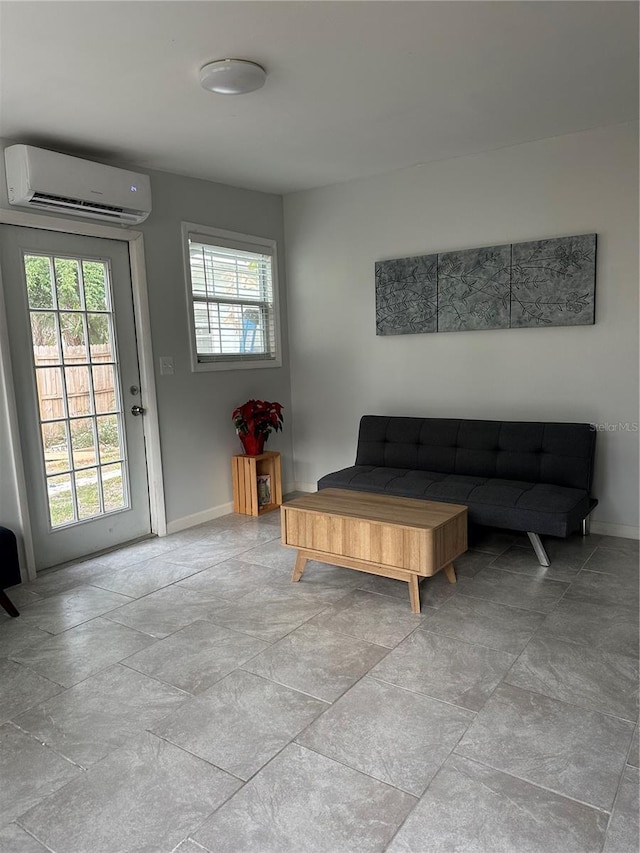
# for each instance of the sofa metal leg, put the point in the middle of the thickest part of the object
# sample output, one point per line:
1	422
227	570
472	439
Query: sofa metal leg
538	547
586	526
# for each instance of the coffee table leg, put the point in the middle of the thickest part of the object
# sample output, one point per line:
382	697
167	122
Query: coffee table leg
450	572
298	569
414	593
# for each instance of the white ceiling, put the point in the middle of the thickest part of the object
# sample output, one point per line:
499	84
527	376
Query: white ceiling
354	88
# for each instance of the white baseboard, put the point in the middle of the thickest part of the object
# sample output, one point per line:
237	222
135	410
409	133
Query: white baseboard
306	487
198	518
187	521
606	528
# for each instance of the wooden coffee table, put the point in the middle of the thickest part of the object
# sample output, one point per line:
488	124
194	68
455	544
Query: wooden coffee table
399	538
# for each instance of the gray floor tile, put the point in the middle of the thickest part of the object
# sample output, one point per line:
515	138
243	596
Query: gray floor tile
318	662
16	635
74	655
229	580
523	561
305	802
273	555
514	590
241	722
65	610
624	829
13	839
141	578
168	610
389	733
250	535
20	688
29	772
212	549
473	809
434	591
145	797
577	753
617	543
320	583
94	718
189	846
378	619
468	565
610	627
53	581
132	554
633	752
321	575
603	588
617	563
444	668
197	656
269	613
590	678
20	595
485	623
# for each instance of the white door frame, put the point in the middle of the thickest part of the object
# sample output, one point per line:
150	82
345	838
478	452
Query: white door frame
145	360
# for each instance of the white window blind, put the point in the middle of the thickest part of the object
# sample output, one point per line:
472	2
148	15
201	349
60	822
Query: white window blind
232	293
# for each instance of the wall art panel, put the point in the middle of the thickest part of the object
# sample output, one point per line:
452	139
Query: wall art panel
538	283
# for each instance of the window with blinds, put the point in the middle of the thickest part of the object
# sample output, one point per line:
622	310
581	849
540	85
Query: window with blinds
232	300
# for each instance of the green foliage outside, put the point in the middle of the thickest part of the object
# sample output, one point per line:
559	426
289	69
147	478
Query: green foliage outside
69	298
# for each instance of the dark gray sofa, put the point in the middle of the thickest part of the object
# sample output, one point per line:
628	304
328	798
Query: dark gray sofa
533	477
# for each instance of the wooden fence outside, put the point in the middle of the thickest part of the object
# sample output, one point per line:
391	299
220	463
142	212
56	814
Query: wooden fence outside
50	387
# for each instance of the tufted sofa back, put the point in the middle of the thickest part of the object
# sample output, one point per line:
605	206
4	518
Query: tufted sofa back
558	454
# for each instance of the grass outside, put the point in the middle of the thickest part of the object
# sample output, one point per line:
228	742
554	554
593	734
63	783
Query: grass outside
61	503
57	461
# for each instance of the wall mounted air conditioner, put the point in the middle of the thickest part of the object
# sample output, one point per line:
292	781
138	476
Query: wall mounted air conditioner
57	183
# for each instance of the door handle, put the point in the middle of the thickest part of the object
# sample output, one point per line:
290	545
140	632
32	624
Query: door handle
137	410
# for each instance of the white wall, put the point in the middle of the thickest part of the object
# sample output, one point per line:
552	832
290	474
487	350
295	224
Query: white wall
196	432
585	182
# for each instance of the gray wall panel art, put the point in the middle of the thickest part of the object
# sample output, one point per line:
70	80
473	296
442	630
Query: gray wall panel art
519	285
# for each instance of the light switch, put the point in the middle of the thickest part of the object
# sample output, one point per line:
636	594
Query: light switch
166	365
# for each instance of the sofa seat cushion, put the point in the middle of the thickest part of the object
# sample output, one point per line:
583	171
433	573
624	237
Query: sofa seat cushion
519	505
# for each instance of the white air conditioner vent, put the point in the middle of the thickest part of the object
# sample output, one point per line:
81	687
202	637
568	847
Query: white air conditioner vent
37	178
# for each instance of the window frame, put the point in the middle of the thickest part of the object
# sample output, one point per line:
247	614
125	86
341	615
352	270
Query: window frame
243	242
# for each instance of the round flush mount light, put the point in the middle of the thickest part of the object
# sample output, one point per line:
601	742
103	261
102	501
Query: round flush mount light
232	76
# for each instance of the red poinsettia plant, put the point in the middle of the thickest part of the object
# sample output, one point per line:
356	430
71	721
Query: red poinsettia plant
254	421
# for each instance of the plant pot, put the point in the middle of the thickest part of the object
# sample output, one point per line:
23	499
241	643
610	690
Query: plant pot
253	444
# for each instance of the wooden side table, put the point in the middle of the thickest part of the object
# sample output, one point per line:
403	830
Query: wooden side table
245	471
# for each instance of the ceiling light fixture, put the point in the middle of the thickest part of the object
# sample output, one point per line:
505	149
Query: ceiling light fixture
232	76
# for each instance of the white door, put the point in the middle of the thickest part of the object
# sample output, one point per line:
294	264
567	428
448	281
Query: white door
74	358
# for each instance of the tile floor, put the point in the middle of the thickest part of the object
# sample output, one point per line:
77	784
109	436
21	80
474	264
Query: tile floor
182	695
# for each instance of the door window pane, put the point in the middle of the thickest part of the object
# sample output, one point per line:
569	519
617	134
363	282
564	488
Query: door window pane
68	283
79	402
74	347
100	338
61	500
88	492
95	285
55	442
38	274
109	438
50	393
83	443
78	391
104	380
44	336
113	488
